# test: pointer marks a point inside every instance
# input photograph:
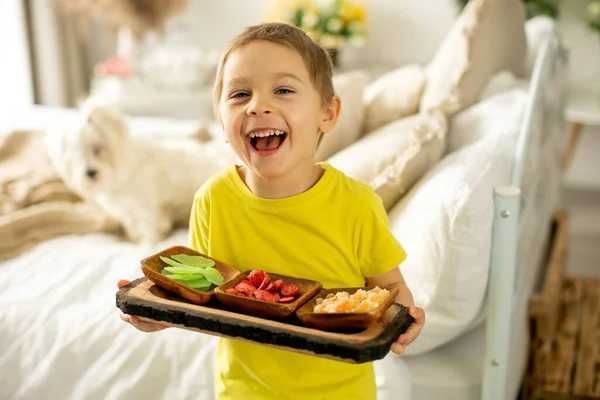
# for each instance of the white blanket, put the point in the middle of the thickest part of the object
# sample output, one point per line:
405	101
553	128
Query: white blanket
61	336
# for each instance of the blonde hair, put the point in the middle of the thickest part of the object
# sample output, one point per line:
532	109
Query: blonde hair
316	58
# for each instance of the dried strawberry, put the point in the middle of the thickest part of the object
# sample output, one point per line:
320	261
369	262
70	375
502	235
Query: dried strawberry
245	288
233	291
256	277
290	290
276	296
288	299
278	284
264	295
247	282
265	282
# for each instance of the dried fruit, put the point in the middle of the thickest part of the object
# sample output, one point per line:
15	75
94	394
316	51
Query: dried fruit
258	285
196	272
234	292
360	301
256	277
264	295
278	284
288	299
290	290
265	282
245	288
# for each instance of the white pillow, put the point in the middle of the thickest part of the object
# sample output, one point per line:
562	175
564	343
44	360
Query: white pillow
445	221
488	37
445	226
393	96
394	157
498	115
350	87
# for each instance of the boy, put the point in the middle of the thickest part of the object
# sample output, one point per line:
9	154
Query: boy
284	213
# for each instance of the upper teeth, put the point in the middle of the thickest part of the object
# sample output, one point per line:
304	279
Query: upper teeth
266	133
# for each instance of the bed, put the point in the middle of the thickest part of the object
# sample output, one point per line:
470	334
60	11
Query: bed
61	338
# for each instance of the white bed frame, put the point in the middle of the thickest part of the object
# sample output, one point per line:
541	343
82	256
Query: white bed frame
514	204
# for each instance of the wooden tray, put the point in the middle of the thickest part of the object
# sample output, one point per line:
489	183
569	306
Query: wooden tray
150	303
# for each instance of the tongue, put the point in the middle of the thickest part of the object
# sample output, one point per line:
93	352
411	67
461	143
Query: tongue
268	143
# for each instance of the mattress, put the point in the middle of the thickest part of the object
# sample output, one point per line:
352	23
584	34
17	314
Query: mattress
61	336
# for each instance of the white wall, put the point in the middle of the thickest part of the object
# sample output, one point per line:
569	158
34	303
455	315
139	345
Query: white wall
584	74
400	31
584	45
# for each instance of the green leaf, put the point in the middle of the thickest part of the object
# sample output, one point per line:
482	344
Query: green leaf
200	284
185	270
182	278
172	263
211	274
194	261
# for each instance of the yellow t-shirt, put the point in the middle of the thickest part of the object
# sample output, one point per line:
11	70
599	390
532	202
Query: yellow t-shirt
336	232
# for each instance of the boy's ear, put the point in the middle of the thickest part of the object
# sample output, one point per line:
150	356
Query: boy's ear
331	115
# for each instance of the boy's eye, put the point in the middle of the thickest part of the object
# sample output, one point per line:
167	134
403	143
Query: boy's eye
283	91
238	95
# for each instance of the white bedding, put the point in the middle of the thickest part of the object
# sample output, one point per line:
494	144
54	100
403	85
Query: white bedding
61	337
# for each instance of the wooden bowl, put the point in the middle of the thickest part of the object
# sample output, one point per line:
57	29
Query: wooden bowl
343	321
266	309
153	265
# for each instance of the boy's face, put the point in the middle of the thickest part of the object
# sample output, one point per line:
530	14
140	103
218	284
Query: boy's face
270	111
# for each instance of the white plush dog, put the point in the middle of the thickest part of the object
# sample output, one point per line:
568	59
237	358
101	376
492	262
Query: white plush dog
145	184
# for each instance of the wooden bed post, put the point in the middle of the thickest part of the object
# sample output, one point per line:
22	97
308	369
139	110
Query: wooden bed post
501	287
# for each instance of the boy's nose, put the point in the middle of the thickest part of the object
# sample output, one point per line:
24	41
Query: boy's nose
258	107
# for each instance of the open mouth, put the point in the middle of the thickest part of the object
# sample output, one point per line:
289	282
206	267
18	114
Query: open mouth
267	140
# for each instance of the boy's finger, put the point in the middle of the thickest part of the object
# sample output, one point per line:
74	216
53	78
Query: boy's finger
398	348
122	283
146	326
125	317
418	314
411	334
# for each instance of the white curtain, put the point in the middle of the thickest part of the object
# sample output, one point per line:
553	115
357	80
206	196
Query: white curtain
16	86
60	69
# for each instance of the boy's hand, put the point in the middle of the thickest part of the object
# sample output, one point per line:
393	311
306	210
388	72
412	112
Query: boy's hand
399	346
135	321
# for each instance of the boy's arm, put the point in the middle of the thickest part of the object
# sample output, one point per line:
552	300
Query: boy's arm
393	278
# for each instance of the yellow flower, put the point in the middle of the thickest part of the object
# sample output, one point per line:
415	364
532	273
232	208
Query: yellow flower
334	25
352	11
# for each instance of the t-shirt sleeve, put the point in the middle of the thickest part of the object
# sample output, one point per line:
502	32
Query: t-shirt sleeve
378	249
198	235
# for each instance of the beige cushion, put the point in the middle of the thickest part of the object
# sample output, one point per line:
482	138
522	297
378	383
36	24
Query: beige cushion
394	157
350	87
393	96
489	36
